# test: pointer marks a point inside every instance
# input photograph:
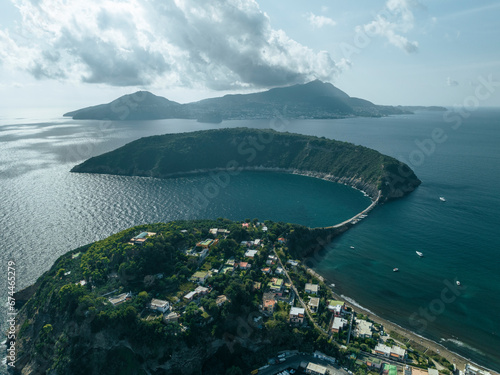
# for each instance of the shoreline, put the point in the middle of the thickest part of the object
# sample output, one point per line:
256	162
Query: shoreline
454	358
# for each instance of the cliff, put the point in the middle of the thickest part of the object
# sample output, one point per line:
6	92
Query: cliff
229	151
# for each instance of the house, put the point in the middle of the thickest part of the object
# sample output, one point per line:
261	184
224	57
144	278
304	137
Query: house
395	352
383	350
198	292
200	277
190	296
363	329
399	354
337	307
244	265
338	324
227	269
269	305
313	304
315	369
297	315
213	231
266	270
264	229
205	244
279	271
257	285
256	242
223	231
407	370
281	240
293	263
172	317
245	225
374	363
230	262
276	285
251	253
222	299
159	305
119	299
269	262
141	238
312	288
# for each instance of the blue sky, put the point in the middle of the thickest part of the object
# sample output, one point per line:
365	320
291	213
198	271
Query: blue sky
69	54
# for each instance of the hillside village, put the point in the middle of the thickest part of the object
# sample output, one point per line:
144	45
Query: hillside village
238	286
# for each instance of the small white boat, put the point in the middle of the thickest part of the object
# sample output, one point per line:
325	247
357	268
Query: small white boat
352	247
442	199
395	270
458	283
332	285
419	254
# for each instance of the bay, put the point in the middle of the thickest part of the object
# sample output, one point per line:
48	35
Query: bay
46	211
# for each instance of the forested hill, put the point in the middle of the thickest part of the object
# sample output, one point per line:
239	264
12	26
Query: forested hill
315	99
232	150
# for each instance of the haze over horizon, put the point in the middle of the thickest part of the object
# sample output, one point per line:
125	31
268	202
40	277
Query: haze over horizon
394	52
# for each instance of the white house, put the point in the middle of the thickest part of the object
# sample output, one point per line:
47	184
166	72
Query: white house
159	305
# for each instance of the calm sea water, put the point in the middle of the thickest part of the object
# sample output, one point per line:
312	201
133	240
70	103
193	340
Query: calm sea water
46	211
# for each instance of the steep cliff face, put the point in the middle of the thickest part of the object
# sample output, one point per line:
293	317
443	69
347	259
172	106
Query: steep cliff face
233	150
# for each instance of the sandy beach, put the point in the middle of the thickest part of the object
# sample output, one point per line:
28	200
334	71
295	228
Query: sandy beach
415	340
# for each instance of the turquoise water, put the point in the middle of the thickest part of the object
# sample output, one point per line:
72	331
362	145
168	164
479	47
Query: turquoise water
46	211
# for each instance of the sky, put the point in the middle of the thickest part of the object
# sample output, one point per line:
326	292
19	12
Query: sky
72	54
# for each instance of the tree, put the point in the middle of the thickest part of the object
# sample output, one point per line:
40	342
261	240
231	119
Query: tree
234	370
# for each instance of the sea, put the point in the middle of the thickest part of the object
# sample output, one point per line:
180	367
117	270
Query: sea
46	211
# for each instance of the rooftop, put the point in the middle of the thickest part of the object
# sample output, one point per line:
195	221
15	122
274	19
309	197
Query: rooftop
297	311
317	369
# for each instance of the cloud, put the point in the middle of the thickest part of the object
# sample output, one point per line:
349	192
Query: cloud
319	21
451	82
395	19
221	44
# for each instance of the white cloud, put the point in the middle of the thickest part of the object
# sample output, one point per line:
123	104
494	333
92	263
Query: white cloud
319	21
395	19
220	44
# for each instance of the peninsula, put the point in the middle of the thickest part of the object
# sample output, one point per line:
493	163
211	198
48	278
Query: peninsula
315	99
203	296
229	151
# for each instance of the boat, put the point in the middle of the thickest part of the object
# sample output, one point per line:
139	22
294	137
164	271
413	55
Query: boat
332	285
395	270
352	247
419	254
442	199
458	283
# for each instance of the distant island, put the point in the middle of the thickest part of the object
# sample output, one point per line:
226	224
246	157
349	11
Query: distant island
313	100
201	297
229	151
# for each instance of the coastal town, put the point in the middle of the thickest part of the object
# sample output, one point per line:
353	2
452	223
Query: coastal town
284	289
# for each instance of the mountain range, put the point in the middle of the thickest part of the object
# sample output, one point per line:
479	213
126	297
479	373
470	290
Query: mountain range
315	99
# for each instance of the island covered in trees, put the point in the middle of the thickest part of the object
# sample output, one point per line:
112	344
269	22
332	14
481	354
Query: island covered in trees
229	151
194	297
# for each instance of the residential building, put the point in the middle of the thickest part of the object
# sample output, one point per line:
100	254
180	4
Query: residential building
279	271
312	288
374	363
337	307
213	231
297	315
245	265
159	305
407	370
266	270
222	299
324	357
205	244
338	324
313	304
281	240
315	369
269	305
251	253
257	285
117	300
141	238
473	370
276	285
363	329
200	277
172	317
394	352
